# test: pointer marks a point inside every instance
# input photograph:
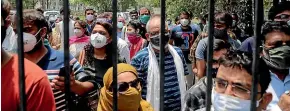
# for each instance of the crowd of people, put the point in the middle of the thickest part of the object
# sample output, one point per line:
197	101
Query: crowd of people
138	49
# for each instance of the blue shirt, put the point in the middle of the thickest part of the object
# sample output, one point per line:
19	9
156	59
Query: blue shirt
184	38
172	99
248	45
277	87
51	63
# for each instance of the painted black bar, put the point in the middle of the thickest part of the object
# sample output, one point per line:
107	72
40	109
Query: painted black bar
19	15
115	55
66	54
209	54
161	54
259	18
249	18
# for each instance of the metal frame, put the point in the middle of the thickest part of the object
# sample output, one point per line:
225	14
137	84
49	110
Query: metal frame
258	24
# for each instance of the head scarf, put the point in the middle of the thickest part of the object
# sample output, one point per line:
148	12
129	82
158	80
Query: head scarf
106	96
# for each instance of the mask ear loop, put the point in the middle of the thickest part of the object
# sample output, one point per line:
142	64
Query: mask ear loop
37	34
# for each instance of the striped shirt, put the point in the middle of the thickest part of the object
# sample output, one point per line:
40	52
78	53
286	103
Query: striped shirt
172	97
51	63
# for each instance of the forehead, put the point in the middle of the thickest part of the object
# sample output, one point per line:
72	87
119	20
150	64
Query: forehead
234	75
183	16
144	10
277	36
90	11
99	27
126	77
154	25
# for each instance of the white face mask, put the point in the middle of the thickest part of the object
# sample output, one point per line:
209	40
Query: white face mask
78	32
184	22
222	102
98	40
29	41
90	17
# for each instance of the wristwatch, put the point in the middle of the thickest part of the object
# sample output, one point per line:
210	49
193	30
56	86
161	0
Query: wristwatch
287	93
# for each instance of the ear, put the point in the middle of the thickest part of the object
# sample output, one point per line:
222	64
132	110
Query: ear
147	36
266	99
43	32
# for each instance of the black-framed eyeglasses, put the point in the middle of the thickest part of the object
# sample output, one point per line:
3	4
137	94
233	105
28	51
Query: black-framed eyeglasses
124	86
238	90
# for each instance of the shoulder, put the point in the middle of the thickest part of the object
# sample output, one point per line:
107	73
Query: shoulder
141	55
178	50
121	43
33	73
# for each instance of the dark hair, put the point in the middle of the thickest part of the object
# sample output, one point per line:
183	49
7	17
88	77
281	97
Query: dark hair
35	17
89	9
133	12
220	44
224	18
143	8
61	11
137	25
40	10
235	15
83	24
107	26
185	13
243	60
272	26
276	9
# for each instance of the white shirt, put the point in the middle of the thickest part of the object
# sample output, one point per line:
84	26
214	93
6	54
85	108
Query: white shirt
123	50
61	31
10	41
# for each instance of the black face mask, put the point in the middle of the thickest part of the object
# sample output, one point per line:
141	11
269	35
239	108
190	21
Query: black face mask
220	33
155	40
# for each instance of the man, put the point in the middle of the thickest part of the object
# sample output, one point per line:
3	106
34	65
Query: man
232	86
146	63
37	89
90	17
133	15
280	12
235	29
60	29
276	53
144	16
183	36
51	60
223	22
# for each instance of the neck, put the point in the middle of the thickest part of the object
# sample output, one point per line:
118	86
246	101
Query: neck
5	57
184	27
100	53
89	22
37	55
281	74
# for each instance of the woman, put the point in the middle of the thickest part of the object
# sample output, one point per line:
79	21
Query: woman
97	56
129	97
135	33
79	40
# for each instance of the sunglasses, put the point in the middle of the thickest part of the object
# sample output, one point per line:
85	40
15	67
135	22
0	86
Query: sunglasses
124	86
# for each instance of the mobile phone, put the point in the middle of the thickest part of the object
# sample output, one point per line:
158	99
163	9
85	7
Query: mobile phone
62	71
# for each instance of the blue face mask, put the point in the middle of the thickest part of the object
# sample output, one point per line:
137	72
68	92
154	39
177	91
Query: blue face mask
120	25
144	19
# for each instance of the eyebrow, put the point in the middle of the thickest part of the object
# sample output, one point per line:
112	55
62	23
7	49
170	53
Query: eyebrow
246	85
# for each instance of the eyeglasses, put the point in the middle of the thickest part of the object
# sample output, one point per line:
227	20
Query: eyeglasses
124	86
240	91
282	16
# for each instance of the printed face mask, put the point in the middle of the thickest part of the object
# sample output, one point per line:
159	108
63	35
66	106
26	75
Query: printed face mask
29	41
98	40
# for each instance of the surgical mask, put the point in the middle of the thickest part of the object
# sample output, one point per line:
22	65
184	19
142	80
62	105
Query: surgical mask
144	19
184	22
98	40
90	17
222	102
29	41
129	100
78	32
278	57
120	25
155	41
220	33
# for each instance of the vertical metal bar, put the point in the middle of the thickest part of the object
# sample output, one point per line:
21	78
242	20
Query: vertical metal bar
66	54
20	55
161	54
249	18
259	18
209	54
115	56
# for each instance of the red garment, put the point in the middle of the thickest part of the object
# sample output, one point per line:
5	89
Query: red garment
39	96
134	48
75	39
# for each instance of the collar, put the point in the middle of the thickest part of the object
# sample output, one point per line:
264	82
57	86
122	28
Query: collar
287	78
51	53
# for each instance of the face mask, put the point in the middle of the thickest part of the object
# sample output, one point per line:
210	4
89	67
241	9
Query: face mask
144	19
98	40
129	100
120	25
222	102
155	41
220	33
29	41
184	22
133	38
78	32
278	58
90	17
